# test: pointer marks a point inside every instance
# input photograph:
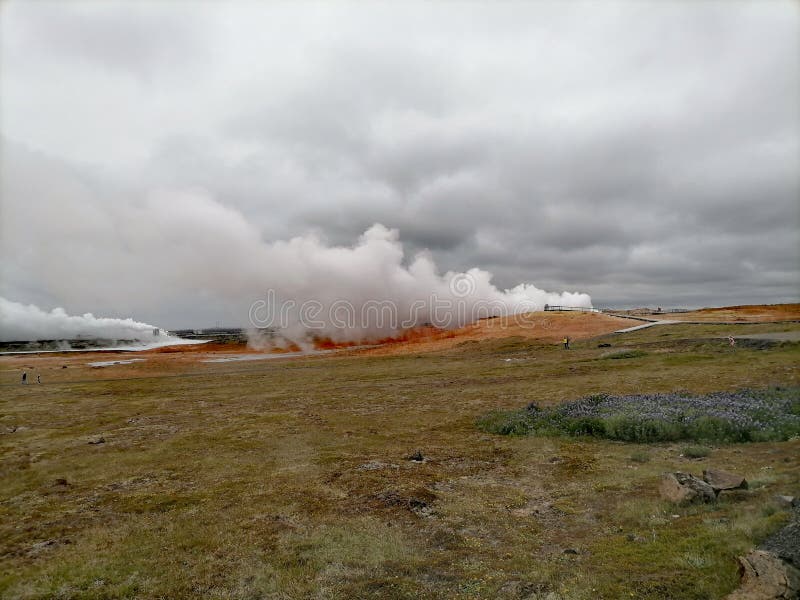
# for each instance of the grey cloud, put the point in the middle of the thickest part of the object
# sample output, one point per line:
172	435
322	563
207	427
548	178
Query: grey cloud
638	152
125	36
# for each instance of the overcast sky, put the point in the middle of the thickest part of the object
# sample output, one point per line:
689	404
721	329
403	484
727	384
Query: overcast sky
642	152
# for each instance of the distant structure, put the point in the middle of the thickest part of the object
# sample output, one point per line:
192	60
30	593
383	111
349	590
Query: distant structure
549	307
156	332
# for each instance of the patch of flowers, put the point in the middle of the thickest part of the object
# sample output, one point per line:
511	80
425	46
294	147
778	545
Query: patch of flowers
741	416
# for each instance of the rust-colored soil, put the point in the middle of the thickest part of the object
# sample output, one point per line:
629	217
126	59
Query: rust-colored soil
544	326
739	314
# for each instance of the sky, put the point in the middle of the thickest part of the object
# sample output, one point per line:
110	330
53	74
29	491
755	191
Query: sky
158	158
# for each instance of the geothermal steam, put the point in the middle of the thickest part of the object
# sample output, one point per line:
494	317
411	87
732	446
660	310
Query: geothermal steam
366	292
20	322
189	258
304	289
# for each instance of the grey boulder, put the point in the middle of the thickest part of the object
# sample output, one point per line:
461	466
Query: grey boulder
683	488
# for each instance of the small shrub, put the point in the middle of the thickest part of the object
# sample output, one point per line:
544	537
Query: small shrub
640	456
696	451
505	423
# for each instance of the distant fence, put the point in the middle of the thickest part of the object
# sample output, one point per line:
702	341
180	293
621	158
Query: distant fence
550	307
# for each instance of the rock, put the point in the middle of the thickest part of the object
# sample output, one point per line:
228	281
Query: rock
60	482
722	480
766	577
786	501
416	457
100	440
604	345
785	543
682	488
570	551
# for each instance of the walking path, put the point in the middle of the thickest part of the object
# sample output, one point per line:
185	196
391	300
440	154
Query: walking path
645	326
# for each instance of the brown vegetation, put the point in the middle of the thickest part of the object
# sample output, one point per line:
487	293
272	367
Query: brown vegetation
748	313
350	475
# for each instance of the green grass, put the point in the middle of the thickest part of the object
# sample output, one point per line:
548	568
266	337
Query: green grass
248	480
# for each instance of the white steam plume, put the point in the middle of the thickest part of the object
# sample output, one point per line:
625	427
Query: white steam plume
24	322
185	258
365	292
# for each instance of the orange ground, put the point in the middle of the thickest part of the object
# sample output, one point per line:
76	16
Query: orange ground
545	326
739	314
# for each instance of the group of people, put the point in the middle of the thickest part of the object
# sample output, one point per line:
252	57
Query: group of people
25	378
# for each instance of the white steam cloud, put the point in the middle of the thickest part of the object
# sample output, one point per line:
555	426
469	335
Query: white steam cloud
185	259
310	289
365	292
24	322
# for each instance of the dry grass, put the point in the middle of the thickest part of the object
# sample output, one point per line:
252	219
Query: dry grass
289	479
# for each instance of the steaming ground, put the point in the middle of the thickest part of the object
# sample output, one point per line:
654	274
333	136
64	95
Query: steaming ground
21	322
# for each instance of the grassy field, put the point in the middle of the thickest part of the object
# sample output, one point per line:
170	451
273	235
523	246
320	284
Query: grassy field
291	478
